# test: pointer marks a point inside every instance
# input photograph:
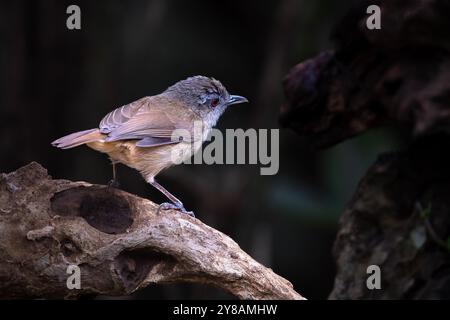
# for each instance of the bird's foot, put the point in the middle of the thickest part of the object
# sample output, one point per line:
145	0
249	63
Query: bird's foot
168	206
114	184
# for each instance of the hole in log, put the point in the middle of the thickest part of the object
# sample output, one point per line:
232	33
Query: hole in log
104	209
391	86
134	265
69	249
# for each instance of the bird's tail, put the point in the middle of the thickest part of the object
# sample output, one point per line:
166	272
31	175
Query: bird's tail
78	138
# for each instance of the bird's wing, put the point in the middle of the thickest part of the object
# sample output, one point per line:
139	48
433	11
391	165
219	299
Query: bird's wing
150	120
119	116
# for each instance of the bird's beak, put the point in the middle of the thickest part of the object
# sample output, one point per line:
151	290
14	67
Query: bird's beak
236	99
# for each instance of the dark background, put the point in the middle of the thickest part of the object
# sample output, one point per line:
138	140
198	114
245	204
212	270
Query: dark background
55	81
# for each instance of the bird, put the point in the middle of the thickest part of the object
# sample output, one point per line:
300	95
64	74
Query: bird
140	134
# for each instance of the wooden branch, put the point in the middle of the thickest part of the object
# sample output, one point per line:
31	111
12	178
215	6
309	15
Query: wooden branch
398	220
116	239
398	75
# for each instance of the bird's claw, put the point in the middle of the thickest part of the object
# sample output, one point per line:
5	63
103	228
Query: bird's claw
113	184
169	206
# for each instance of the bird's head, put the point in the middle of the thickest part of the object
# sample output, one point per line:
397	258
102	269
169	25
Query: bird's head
206	96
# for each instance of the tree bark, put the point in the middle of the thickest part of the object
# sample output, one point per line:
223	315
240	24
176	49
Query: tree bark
116	239
398	220
398	76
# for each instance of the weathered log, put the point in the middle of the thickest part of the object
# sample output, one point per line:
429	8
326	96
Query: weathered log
398	219
398	75
116	239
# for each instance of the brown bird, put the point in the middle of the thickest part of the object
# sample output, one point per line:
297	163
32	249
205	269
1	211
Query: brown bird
139	134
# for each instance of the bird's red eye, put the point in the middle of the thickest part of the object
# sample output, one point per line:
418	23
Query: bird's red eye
214	102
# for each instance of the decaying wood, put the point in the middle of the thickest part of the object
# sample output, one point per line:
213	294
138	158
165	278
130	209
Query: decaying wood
118	241
398	76
398	219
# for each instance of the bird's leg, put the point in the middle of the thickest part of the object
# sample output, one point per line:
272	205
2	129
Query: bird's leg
176	203
114	182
